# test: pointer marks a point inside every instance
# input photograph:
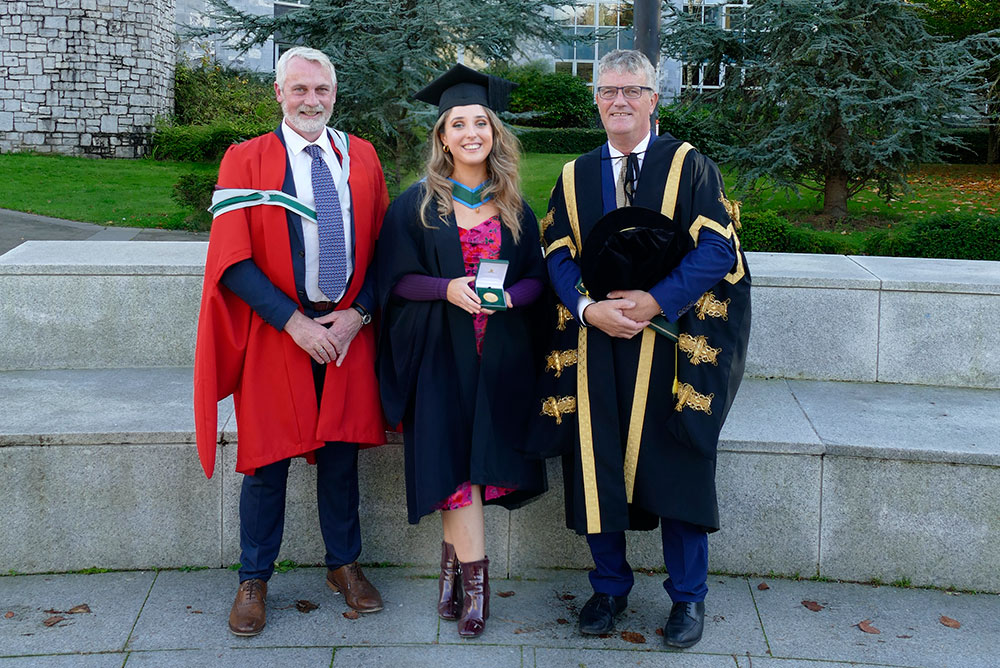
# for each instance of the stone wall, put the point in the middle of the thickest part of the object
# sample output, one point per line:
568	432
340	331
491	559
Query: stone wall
84	77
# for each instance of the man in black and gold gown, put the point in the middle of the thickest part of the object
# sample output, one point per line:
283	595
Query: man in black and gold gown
645	419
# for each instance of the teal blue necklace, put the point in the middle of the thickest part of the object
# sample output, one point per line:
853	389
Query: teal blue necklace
470	197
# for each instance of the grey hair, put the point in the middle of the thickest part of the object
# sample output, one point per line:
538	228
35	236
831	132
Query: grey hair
627	60
305	53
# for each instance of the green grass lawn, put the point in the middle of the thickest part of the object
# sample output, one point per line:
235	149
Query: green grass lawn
138	192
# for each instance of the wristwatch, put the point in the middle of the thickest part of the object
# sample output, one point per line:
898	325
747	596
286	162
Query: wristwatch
366	317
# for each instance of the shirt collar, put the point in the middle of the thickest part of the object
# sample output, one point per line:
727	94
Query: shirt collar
640	147
296	143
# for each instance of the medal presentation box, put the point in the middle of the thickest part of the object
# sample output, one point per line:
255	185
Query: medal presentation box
489	284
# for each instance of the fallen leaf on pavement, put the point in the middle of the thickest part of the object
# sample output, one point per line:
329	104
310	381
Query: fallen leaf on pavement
812	605
352	614
562	621
763	586
8	615
505	594
197	612
77	609
305	606
866	626
659	632
52	621
949	622
567	597
904	636
633	637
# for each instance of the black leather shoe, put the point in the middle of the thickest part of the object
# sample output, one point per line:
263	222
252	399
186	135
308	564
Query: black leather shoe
598	614
685	624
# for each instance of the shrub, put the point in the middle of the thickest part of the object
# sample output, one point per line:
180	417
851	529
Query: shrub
560	100
194	190
962	236
559	140
208	92
764	231
203	143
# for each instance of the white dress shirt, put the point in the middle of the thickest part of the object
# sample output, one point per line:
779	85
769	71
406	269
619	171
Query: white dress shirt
301	164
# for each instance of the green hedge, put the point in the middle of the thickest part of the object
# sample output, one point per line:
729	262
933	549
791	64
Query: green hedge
960	236
560	100
203	143
207	92
559	140
766	231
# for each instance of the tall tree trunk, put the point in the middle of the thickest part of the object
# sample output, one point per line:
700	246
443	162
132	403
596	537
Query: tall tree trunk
993	143
835	195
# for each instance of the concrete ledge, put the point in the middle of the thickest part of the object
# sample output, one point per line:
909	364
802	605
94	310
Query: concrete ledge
813	476
816	317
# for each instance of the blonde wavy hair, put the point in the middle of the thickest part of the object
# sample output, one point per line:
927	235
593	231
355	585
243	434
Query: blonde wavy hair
501	170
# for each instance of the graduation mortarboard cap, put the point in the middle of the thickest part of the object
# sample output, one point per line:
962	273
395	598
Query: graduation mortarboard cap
631	248
463	85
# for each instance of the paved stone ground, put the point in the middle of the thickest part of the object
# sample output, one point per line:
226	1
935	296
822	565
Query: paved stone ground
17	227
174	618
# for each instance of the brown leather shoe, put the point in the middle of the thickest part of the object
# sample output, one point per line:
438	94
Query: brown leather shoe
248	616
358	592
449	584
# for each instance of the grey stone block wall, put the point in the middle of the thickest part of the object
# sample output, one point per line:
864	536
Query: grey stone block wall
84	77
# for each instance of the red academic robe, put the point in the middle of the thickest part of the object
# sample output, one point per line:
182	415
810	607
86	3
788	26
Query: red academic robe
238	353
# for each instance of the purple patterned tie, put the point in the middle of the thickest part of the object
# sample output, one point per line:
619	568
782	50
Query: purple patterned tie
330	221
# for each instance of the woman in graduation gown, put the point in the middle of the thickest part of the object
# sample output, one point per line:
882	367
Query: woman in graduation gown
459	375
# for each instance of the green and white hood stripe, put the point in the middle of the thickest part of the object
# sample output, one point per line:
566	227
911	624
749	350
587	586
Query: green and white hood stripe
225	200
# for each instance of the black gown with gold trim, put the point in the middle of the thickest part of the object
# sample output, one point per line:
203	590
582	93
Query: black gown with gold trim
640	418
463	418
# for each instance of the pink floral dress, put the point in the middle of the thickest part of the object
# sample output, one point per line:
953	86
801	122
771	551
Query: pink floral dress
481	241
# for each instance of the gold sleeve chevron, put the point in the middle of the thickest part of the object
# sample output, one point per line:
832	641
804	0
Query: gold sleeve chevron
564	242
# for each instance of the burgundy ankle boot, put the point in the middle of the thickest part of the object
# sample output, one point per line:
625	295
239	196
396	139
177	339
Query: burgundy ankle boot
449	587
476	608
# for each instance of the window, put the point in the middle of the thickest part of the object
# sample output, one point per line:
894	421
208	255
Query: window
728	15
611	22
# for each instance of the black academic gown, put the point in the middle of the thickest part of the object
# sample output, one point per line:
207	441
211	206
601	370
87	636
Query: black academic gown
462	417
640	445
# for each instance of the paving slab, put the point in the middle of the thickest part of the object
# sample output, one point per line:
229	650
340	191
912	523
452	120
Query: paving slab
59	258
114	599
906	422
114	660
270	657
17	227
430	656
592	658
767	662
544	612
908	619
409	615
809	270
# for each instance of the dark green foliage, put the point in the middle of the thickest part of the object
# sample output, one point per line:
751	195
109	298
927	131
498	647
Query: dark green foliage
766	231
961	236
194	190
209	92
556	140
203	143
975	149
697	125
385	50
836	95
560	100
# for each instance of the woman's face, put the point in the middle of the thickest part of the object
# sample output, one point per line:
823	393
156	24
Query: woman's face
468	134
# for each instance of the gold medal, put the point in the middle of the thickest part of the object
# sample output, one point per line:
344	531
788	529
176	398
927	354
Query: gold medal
491	297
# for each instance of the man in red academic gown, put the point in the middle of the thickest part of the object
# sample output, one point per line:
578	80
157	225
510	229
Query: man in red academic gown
284	328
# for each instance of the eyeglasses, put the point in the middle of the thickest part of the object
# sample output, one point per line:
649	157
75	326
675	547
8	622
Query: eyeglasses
630	92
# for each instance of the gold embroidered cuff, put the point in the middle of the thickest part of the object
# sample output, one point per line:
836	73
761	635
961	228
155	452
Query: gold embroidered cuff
708	305
562	317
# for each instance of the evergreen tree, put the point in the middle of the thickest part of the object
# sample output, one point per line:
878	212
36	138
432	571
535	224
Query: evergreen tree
385	50
960	19
831	95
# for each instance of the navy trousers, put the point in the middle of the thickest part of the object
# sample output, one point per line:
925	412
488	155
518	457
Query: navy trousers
262	506
685	555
